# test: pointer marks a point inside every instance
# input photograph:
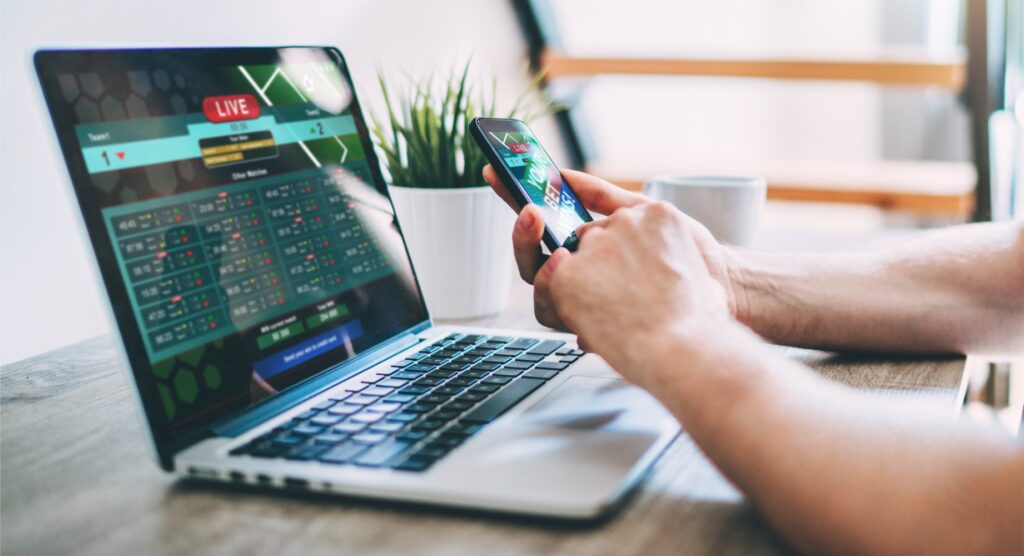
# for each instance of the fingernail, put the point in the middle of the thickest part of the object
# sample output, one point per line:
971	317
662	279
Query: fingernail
526	220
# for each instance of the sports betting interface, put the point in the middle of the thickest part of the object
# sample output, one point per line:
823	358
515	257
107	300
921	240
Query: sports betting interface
239	207
534	169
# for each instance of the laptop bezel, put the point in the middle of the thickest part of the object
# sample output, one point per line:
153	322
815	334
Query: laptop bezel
47	63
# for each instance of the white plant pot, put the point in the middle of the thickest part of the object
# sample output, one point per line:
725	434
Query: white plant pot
460	241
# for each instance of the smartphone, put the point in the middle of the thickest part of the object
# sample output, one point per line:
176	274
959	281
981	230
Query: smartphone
531	176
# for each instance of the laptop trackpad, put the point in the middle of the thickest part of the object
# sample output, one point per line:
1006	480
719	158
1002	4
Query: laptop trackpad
585	402
578	442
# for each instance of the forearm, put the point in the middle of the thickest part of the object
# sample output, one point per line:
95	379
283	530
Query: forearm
956	290
834	471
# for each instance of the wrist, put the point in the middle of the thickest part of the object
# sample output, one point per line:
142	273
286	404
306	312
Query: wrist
689	352
738	278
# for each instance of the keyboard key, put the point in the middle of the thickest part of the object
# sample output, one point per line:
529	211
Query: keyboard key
343	453
355	388
503	400
378	391
447	390
415	464
309	452
507	353
431	452
460	382
308	429
340	396
459	405
521	343
413	436
420	407
547	347
541	374
344	409
428	382
379	455
406	375
414	390
268	450
434	399
429	425
384	407
326	420
564	351
472	396
393	383
348	427
445	414
549	365
330	438
290	440
403	363
485	389
324	405
496	380
569	358
529	358
400	398
497	359
518	365
448	441
387	427
307	415
506	372
366	417
369	437
403	417
362	400
474	373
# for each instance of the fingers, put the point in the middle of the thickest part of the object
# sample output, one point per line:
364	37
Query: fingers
586	228
543	302
599	195
595	193
526	241
495	182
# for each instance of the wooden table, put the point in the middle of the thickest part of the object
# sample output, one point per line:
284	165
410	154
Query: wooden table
76	476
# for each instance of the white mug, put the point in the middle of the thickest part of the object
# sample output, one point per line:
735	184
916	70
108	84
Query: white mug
728	206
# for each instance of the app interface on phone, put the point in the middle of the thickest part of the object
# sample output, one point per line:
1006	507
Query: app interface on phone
539	176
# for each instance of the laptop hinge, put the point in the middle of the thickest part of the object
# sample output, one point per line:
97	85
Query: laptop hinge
254	416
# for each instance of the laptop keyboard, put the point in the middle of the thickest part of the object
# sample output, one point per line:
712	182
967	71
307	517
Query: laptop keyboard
413	414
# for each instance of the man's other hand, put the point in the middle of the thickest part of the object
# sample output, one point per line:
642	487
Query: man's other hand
600	197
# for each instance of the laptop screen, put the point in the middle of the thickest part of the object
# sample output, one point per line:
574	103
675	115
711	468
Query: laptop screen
235	205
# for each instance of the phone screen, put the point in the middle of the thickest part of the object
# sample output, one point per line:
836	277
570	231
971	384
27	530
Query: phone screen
531	166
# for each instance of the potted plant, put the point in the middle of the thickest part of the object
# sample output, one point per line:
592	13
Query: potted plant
456	228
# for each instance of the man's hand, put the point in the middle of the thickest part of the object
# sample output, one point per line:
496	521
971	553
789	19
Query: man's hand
638	278
601	197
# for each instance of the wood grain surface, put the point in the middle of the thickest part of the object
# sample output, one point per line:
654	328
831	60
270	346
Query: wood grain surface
77	477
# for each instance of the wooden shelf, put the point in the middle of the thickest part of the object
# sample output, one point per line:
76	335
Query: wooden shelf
934	188
904	69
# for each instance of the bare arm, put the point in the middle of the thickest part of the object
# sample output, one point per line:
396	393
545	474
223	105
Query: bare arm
835	471
955	290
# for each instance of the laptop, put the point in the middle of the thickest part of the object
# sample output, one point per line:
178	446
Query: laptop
269	314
